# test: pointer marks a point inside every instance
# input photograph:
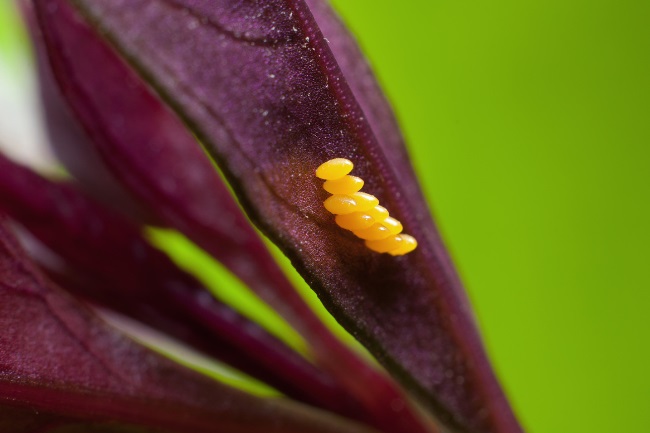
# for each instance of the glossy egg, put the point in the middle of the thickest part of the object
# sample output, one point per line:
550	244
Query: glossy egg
379	213
407	245
393	225
385	245
364	201
340	204
345	185
334	169
373	233
354	221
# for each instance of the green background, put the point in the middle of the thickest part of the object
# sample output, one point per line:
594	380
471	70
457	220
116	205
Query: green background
528	124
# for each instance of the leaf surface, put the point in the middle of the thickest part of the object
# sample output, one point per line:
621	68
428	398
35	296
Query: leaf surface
381	120
103	258
258	84
154	155
260	87
58	359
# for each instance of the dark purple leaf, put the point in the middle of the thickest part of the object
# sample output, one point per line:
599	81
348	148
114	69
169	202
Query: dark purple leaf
381	120
70	143
154	155
57	358
108	262
260	87
29	420
151	152
372	102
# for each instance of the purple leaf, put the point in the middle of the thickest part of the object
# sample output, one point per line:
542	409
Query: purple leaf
259	85
69	141
58	359
147	148
381	120
167	170
108	262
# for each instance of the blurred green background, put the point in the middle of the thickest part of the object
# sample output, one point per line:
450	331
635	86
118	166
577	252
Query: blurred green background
529	125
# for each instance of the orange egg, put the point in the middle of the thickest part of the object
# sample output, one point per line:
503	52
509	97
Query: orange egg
334	169
340	204
373	233
345	185
408	244
385	245
354	221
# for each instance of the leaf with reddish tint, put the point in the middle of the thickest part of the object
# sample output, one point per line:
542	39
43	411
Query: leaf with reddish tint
259	85
381	120
58	359
167	170
149	150
107	261
372	102
29	420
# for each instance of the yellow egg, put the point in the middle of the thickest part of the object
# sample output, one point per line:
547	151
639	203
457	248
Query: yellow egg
379	213
334	169
393	225
384	245
408	244
345	185
373	233
340	204
354	221
364	201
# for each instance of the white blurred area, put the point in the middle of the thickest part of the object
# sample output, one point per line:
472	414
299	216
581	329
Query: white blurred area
22	130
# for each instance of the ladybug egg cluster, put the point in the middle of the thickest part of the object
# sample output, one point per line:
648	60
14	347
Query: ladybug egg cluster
360	212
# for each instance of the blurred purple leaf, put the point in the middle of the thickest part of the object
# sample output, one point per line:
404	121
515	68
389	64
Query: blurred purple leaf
28	420
59	360
104	259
